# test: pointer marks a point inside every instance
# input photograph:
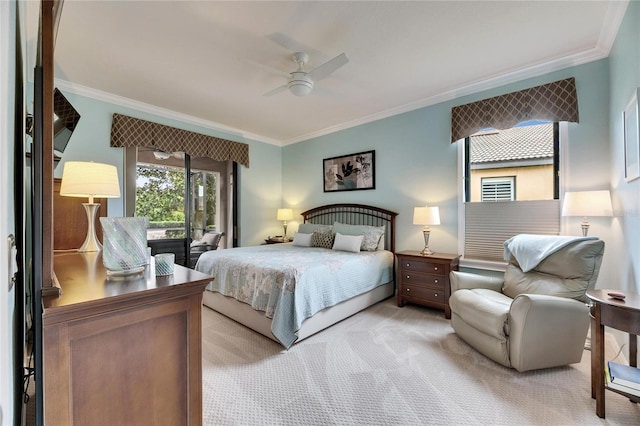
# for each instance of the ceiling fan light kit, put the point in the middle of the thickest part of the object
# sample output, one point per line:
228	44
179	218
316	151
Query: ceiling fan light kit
300	84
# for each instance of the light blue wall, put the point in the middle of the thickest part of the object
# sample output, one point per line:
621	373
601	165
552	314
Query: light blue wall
624	62
260	187
416	164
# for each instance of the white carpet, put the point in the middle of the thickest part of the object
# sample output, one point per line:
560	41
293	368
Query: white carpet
387	366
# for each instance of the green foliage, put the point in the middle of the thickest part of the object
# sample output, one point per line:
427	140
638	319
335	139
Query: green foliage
160	194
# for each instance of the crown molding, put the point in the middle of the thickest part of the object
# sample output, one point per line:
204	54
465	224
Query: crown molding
161	112
613	20
488	83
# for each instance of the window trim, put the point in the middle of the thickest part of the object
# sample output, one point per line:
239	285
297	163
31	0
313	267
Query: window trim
561	138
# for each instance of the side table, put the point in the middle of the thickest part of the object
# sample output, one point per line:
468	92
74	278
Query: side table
622	315
424	280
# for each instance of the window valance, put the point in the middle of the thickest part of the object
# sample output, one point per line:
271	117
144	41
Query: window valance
132	132
557	101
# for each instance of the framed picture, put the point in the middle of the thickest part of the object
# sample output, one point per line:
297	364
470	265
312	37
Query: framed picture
630	125
349	172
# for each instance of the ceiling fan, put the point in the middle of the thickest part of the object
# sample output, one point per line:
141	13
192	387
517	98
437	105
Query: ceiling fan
301	82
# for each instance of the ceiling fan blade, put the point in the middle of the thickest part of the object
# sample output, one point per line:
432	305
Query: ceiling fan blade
276	90
328	67
288	43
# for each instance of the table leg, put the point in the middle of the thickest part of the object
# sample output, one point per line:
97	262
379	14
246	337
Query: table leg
597	363
593	352
633	350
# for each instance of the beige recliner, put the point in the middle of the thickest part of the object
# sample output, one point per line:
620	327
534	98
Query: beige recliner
537	316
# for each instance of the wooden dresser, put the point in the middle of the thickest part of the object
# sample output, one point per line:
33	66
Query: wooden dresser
125	352
424	280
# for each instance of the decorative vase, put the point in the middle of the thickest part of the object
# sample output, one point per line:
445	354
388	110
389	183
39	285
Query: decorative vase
124	249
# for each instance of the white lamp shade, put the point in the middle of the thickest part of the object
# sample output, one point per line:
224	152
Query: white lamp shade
426	216
285	214
85	179
587	203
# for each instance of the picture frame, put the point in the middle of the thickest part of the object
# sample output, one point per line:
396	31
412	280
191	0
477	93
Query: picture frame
351	172
631	132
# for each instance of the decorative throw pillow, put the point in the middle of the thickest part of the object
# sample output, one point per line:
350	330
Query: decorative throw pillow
371	234
302	240
320	239
347	243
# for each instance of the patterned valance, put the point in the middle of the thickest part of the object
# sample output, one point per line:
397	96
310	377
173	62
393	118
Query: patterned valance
132	132
557	101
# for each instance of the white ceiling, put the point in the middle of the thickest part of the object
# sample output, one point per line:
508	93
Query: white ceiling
210	62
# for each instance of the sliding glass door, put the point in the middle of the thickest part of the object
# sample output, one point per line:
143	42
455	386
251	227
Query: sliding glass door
184	198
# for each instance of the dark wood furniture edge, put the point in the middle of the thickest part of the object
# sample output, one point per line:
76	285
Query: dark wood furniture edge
630	308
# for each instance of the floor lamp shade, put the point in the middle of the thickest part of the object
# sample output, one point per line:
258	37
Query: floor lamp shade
86	179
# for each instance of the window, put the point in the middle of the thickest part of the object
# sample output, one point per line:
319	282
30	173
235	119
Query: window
184	198
495	207
498	189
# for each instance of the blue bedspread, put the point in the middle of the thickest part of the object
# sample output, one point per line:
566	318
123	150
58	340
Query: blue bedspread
291	283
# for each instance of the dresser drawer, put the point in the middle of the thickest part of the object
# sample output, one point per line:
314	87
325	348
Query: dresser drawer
415	278
422	266
425	293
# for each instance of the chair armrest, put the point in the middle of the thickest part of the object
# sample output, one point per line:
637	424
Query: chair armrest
460	280
546	331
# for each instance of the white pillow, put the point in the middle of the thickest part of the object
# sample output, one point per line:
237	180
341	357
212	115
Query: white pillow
347	242
302	240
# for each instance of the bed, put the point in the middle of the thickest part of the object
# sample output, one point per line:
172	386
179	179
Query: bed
288	292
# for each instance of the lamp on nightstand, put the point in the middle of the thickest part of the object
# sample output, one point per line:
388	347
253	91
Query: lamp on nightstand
426	216
285	215
587	203
85	179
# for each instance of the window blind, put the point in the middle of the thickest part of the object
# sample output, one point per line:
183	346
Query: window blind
489	225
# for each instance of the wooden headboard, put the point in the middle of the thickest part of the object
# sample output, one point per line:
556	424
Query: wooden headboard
355	214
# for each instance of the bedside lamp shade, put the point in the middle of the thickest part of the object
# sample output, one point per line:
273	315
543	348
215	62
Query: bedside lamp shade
426	216
587	203
86	179
284	215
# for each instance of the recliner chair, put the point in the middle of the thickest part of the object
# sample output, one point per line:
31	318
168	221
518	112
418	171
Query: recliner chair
537	316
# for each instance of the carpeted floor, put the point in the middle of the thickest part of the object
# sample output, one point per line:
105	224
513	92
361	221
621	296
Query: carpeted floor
387	366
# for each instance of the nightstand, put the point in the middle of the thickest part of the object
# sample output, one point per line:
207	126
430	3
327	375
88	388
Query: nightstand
275	240
424	280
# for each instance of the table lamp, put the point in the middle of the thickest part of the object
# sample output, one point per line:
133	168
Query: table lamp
426	216
86	179
285	215
587	203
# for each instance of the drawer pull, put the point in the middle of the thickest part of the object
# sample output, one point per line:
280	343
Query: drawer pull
408	289
435	281
408	276
436	294
436	268
408	264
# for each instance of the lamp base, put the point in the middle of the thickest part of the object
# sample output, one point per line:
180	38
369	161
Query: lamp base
426	251
585	227
91	242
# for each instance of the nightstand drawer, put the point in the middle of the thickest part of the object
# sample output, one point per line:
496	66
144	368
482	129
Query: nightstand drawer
414	278
425	293
422	266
